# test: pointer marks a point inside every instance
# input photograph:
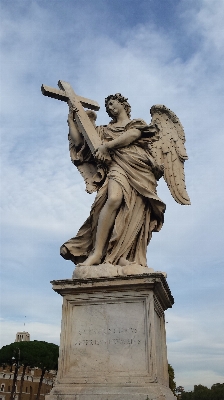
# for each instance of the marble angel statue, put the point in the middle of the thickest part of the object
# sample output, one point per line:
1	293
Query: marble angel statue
124	171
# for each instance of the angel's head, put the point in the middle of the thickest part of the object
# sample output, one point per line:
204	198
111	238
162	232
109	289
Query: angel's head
114	103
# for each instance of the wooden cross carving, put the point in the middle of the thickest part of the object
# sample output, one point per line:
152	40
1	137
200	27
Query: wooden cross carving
85	126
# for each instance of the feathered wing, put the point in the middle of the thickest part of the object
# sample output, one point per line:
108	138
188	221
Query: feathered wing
170	151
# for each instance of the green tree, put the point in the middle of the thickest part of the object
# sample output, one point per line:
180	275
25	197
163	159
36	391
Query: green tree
33	354
217	391
187	396
172	383
203	393
178	391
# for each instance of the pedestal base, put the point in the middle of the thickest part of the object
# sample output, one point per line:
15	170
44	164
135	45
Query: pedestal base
152	392
113	344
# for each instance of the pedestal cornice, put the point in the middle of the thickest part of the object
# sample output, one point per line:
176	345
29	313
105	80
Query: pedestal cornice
153	281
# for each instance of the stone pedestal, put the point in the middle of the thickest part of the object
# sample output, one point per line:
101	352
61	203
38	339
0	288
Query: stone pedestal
113	342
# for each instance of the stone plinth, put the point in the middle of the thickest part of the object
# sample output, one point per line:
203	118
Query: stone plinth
113	342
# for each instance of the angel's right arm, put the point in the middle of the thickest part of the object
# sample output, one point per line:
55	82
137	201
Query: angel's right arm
74	133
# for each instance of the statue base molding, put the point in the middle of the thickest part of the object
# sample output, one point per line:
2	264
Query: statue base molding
113	340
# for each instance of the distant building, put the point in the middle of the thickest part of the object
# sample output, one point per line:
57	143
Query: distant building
27	389
22	337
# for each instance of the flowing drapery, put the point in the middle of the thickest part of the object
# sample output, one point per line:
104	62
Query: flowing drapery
141	211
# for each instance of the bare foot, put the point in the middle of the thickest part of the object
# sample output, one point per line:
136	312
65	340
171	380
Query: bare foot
64	252
93	259
123	262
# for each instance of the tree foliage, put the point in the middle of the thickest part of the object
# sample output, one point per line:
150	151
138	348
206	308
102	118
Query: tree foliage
172	383
201	392
33	354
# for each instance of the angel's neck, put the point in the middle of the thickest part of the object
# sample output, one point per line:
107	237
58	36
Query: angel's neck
122	116
122	122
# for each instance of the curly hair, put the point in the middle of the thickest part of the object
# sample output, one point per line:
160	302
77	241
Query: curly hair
122	100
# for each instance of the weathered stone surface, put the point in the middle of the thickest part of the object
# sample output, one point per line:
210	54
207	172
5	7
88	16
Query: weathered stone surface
122	161
113	342
109	270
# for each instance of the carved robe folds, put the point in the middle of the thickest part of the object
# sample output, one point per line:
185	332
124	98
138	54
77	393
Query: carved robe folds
141	211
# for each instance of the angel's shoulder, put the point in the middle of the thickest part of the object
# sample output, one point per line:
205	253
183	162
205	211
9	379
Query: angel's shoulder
135	122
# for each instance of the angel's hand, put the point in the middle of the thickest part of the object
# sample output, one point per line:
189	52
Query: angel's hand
150	130
102	153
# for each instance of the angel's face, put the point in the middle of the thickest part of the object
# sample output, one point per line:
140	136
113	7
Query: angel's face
115	107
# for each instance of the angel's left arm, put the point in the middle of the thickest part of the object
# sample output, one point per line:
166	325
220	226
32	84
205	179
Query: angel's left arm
123	140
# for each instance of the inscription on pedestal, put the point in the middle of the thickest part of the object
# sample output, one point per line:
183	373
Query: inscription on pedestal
109	337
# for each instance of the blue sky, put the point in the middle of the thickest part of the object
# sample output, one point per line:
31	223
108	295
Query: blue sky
154	52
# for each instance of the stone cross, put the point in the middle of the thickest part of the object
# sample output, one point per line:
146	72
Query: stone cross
85	126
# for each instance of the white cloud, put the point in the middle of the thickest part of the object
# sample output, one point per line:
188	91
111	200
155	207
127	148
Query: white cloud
206	19
188	336
43	202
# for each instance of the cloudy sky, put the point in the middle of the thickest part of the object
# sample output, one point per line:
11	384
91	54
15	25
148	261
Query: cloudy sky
153	51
